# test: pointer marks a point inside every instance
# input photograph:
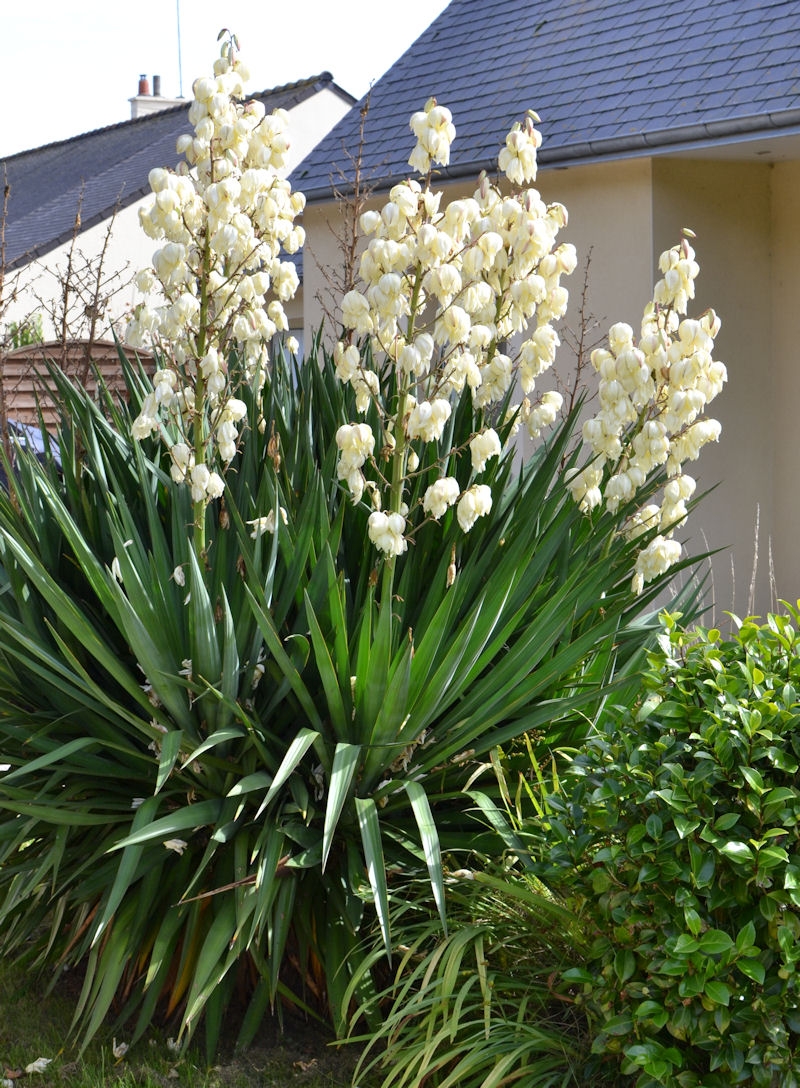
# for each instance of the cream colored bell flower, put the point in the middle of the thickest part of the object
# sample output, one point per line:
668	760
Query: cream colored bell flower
427	420
386	531
483	447
440	496
473	504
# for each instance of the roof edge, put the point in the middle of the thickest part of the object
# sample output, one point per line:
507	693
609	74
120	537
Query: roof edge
635	145
708	134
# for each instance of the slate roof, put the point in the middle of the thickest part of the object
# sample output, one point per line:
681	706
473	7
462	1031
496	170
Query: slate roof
109	167
607	78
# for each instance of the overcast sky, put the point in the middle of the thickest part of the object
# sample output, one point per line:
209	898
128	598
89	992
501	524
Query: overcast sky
69	66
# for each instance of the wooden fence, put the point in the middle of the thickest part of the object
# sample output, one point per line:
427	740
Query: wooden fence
26	381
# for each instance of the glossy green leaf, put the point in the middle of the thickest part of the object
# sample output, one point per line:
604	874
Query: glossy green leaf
369	824
745	937
273	641
753	969
430	843
202	814
334	701
168	756
346	759
59	754
294	754
715	941
736	851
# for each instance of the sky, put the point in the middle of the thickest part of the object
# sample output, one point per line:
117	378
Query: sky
70	66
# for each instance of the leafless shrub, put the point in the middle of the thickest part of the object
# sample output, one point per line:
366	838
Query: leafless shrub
80	304
351	198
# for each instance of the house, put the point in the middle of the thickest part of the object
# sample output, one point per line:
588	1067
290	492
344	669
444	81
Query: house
75	189
655	117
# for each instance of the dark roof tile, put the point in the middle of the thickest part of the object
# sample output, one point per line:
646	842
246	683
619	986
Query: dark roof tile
593	69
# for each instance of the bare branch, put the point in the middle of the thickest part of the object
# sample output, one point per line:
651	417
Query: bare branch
582	341
351	198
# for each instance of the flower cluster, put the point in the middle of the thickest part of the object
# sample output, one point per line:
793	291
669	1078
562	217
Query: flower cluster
219	280
445	290
652	397
435	132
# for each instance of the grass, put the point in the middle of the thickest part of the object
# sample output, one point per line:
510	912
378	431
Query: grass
35	1024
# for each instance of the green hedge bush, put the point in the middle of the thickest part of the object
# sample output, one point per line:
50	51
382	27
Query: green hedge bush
676	830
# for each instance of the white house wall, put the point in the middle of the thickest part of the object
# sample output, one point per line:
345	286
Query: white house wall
310	121
39	283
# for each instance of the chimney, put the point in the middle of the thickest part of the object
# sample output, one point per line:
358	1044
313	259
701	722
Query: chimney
145	103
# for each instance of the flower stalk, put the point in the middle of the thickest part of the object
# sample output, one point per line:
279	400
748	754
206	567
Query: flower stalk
443	291
218	283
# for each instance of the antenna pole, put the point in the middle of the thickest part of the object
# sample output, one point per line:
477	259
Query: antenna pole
180	64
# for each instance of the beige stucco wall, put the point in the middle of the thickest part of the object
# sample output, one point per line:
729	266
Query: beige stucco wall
728	205
609	224
322	268
784	409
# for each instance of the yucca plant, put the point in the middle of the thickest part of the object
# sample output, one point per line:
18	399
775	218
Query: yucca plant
248	653
212	783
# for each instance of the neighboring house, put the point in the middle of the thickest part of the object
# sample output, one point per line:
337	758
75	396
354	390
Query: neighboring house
655	116
102	176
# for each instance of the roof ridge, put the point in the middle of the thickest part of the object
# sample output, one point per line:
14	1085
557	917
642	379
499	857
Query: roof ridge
325	78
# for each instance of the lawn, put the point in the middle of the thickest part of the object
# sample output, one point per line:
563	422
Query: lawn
34	1024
